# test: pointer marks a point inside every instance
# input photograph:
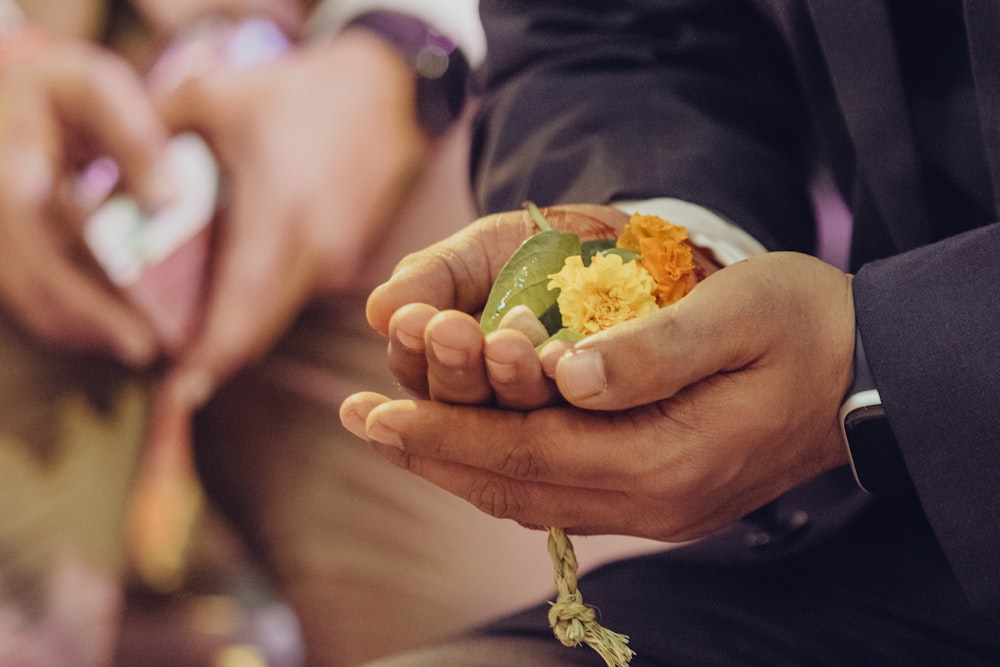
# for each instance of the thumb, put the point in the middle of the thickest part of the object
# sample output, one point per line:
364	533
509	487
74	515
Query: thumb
709	331
455	273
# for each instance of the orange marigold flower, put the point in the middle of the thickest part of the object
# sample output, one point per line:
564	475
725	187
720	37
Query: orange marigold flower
664	253
599	296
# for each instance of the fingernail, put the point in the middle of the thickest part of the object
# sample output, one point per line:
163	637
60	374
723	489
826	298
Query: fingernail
382	431
501	372
449	356
354	422
409	341
581	374
550	354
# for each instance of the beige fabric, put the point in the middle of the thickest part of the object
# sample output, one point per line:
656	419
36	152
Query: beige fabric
71	430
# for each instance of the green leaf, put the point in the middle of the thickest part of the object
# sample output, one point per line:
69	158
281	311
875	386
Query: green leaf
626	254
563	334
551	319
536	215
524	279
591	248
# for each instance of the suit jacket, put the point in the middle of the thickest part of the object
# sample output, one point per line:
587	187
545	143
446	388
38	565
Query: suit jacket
731	105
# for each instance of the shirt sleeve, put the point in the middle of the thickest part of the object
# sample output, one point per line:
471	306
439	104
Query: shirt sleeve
928	319
692	99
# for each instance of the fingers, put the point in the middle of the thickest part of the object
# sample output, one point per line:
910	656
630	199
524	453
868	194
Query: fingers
256	282
45	280
456	372
70	104
438	355
489	458
636	473
70	307
779	308
67	307
443	355
672	471
456	273
106	99
189	104
557	445
407	350
581	511
260	280
516	372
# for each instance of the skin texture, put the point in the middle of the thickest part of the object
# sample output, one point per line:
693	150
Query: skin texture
669	427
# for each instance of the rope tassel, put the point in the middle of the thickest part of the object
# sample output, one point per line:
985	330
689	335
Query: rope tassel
573	622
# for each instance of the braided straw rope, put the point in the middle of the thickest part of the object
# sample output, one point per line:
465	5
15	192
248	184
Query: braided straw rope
573	622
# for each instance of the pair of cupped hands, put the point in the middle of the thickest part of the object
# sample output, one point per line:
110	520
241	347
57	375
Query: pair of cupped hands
668	426
310	174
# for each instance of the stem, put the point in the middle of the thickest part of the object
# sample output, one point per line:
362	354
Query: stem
536	215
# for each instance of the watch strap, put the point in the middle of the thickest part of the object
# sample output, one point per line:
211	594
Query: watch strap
441	69
874	453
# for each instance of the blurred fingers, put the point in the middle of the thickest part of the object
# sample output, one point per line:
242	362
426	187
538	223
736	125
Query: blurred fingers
47	279
260	279
104	98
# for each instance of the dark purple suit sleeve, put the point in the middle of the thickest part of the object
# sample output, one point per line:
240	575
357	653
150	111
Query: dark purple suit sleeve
931	321
595	101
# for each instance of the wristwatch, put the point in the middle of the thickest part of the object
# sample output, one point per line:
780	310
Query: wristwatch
877	463
441	68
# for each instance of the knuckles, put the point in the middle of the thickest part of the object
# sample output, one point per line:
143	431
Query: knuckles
522	463
497	497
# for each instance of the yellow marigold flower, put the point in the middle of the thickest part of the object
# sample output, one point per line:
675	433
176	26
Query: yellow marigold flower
663	252
599	296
